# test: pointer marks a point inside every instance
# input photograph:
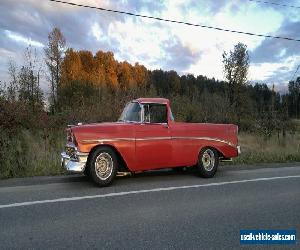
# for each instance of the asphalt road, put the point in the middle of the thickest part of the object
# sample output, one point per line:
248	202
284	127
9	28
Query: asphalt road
157	210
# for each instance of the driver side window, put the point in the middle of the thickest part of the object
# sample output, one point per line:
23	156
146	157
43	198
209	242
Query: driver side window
155	113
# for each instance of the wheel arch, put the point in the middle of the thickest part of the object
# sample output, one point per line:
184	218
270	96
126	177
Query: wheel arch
122	166
220	153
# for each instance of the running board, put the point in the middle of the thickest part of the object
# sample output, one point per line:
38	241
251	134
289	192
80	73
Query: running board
124	173
226	159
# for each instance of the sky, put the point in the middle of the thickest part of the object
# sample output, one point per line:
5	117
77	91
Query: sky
156	44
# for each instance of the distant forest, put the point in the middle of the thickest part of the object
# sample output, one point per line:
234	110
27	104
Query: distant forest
87	87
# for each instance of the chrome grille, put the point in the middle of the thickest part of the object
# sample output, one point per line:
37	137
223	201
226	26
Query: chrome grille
70	151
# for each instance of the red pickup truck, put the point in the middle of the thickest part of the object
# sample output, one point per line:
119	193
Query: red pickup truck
146	137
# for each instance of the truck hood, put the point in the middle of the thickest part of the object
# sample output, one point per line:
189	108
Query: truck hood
103	130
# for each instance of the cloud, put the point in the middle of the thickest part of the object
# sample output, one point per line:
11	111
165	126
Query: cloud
274	60
29	22
19	38
146	6
35	19
277	73
271	50
178	56
292	12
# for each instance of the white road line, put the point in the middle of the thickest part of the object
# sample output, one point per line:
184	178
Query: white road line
30	203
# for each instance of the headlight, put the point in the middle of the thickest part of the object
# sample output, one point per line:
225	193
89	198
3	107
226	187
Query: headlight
70	137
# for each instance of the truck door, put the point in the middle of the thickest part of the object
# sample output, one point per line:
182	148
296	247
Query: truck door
153	138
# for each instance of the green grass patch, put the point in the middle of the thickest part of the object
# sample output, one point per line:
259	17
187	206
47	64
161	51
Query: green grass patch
257	149
31	153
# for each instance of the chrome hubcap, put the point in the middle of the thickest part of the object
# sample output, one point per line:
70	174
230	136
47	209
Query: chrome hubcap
104	166
208	159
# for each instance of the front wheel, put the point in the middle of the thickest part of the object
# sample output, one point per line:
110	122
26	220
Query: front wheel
103	165
208	161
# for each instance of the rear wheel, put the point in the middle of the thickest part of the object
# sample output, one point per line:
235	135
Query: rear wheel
103	165
208	161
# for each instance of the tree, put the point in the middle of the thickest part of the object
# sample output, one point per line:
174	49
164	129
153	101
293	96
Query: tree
2	90
12	88
29	91
53	57
294	92
236	65
71	68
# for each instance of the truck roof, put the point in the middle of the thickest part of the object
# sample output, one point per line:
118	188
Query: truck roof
152	100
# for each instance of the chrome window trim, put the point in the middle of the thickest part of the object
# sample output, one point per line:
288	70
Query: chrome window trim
143	113
142	120
156	123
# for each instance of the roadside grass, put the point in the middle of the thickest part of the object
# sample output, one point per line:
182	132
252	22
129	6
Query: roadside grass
257	149
30	153
44	154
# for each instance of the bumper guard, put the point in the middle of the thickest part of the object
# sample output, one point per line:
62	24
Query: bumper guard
74	165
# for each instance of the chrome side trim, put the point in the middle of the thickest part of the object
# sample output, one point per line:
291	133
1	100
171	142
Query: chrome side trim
204	138
127	139
108	140
160	138
154	138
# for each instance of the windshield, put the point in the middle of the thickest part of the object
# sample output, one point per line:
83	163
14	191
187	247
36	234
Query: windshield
131	113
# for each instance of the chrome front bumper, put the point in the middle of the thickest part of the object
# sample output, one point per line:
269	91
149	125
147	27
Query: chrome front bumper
74	165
